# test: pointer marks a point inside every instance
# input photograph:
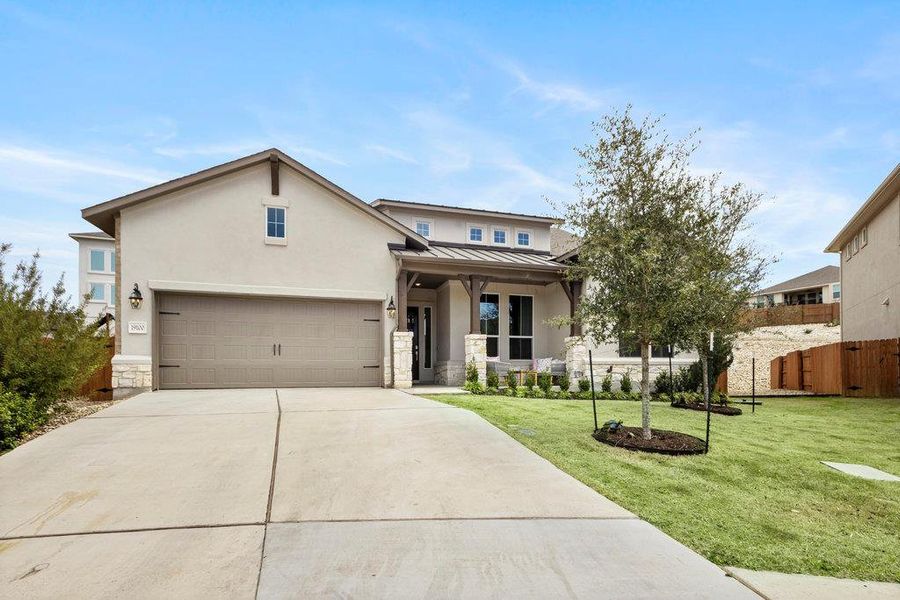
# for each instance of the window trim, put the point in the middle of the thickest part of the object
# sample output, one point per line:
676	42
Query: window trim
530	234
470	227
509	335
430	223
505	231
274	240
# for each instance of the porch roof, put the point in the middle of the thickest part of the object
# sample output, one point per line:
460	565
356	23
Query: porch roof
458	254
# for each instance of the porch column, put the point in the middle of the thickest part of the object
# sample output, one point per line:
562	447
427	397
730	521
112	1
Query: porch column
401	300
475	304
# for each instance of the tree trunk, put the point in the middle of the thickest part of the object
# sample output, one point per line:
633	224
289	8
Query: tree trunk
704	361
645	389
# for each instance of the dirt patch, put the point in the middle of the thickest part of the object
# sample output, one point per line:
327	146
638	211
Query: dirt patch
662	441
719	409
66	412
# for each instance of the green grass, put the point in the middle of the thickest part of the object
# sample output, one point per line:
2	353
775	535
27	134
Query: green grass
760	499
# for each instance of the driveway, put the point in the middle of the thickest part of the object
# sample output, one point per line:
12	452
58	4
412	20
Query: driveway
355	493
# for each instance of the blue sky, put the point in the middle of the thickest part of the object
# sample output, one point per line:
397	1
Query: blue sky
472	104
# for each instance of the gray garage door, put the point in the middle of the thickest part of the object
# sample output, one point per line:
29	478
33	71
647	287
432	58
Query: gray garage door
224	341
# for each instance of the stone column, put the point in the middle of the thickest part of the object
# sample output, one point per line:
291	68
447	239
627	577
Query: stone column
401	341
476	351
576	360
131	375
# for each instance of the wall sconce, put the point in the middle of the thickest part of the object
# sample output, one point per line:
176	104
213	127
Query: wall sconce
136	298
391	309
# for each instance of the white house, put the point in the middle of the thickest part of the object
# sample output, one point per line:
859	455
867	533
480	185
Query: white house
96	272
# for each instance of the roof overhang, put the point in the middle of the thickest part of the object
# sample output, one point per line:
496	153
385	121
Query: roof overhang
92	235
103	215
883	194
461	210
500	265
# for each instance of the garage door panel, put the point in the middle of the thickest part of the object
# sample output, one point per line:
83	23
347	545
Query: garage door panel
228	342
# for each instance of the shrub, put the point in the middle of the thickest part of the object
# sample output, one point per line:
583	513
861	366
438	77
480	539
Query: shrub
564	383
47	348
18	416
471	372
530	380
545	382
493	380
688	379
663	383
606	385
625	385
474	387
512	381
584	385
611	426
491	391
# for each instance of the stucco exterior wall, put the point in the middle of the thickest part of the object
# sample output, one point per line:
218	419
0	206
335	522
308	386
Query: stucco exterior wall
86	276
871	276
213	234
766	343
452	227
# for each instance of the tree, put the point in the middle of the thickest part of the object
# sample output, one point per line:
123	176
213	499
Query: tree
634	201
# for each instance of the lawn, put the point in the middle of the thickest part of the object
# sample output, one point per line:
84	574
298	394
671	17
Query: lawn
759	499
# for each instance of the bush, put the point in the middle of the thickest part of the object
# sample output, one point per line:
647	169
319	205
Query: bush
545	382
663	383
512	382
471	372
18	416
625	385
493	380
47	348
584	385
564	383
530	380
474	387
606	385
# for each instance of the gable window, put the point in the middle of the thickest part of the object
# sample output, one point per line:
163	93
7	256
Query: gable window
275	224
423	228
490	323
98	261
521	327
476	234
523	238
98	292
500	236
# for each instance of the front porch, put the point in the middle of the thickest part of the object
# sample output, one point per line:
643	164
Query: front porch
457	305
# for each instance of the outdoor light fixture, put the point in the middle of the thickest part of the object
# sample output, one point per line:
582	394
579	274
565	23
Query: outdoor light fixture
391	309
136	298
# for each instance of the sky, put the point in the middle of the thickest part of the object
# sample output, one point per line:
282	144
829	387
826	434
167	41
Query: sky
471	104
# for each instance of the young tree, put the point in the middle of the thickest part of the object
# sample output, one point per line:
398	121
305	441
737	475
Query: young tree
635	194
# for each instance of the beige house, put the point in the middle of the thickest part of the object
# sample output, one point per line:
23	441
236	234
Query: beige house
260	272
822	286
96	272
869	245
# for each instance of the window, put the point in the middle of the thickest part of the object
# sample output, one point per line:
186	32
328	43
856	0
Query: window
426	332
848	251
476	234
836	291
275	222
521	331
855	243
490	323
629	348
864	237
423	228
500	236
112	295
98	292
112	262
523	238
98	261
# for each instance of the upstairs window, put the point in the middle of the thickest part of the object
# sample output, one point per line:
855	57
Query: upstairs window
863	237
500	236
476	234
836	291
423	228
98	292
523	238
275	222
98	261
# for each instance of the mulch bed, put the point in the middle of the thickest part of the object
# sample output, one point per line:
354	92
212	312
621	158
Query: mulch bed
661	442
730	411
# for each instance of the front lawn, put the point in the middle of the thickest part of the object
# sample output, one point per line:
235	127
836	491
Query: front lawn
760	499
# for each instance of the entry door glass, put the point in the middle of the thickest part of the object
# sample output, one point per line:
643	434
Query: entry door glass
412	324
427	327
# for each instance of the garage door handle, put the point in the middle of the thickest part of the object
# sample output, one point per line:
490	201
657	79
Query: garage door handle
169	366
273	349
279	349
371	366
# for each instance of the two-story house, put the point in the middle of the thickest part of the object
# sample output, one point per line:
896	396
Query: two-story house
261	272
96	272
869	245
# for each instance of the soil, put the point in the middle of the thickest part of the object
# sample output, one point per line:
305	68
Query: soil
66	412
662	441
719	409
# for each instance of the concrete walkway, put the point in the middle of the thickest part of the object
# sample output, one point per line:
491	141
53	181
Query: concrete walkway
359	493
786	586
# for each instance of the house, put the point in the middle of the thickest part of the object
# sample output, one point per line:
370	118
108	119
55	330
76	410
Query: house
261	272
869	246
822	286
96	272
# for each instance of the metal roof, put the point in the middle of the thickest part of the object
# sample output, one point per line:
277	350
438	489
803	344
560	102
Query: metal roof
387	202
484	256
93	235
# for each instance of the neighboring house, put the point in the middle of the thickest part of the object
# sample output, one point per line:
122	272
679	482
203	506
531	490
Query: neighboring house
96	272
261	272
869	245
822	286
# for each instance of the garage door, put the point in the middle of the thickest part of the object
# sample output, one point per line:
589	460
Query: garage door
223	341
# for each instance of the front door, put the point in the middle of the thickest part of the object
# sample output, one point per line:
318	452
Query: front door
420	321
412	324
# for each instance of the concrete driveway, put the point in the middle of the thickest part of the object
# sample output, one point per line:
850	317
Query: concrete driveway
358	493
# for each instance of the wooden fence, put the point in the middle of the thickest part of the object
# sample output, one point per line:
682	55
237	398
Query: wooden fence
798	314
99	386
869	368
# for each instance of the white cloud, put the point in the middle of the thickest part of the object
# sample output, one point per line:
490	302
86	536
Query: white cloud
393	153
29	157
556	93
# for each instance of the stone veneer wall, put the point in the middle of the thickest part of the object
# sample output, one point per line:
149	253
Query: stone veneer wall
476	351
401	342
449	372
766	343
131	375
